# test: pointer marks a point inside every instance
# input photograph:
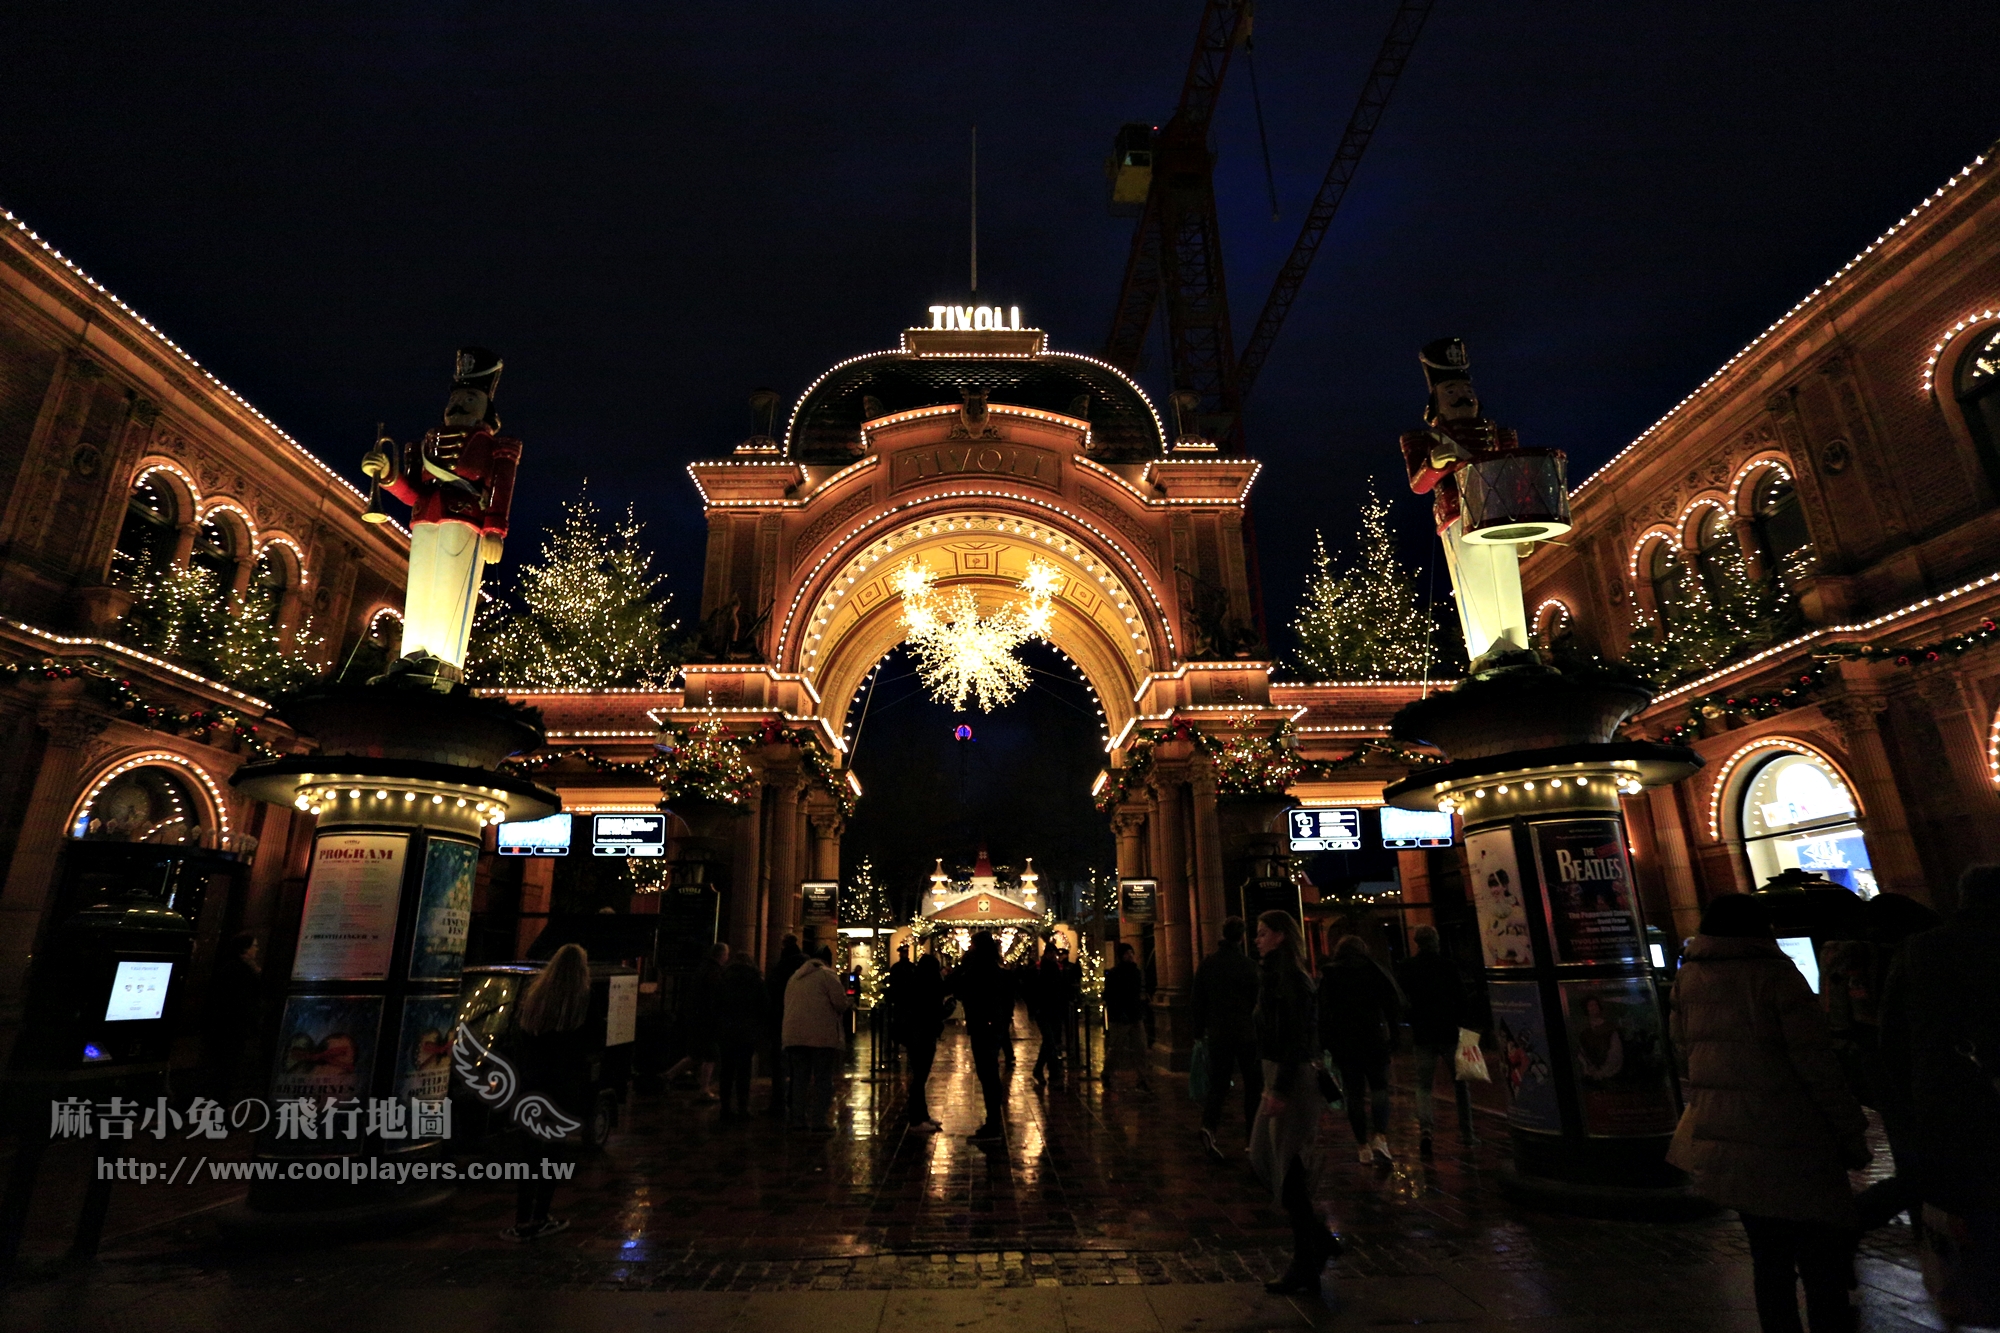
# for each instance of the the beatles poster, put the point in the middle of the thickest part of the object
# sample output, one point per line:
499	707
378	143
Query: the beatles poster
1495	880
1619	1058
349	926
444	910
1523	1038
1587	883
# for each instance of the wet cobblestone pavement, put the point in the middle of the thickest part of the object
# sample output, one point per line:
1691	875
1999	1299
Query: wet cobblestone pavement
1100	1212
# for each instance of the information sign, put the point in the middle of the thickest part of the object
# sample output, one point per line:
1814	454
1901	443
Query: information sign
1325	830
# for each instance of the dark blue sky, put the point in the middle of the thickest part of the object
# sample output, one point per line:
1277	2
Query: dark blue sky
651	209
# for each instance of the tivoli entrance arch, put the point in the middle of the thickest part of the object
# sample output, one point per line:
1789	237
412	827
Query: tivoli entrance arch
976	451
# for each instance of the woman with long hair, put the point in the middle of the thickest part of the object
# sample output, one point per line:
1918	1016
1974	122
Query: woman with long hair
551	1047
1283	1139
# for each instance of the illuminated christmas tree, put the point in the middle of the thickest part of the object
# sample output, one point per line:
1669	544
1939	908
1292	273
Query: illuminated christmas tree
1365	620
183	614
1726	614
591	614
867	901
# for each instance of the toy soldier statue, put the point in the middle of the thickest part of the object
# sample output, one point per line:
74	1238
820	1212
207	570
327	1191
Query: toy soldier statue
1529	502
459	484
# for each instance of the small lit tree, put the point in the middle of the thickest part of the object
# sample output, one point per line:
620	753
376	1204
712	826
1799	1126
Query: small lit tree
592	613
1363	619
867	899
1722	618
181	613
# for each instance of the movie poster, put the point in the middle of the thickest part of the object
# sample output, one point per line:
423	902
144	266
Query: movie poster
349	927
1523	1039
1620	1060
423	1048
1587	883
444	910
1495	880
326	1047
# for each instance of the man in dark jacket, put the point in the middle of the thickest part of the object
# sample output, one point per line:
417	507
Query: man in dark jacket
919	1018
790	959
1358	1007
1125	1017
741	1002
1054	1010
899	981
986	990
1436	995
1941	1044
1223	1011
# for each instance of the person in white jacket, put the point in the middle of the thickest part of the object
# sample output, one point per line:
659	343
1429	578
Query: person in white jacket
815	1033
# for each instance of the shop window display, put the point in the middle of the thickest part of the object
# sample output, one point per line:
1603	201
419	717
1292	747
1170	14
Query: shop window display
1799	814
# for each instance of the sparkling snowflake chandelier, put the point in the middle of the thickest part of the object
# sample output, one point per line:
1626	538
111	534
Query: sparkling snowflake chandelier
963	654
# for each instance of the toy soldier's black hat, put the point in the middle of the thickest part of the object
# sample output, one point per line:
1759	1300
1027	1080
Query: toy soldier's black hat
478	368
1445	360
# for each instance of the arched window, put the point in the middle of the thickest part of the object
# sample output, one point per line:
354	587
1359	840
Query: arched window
1798	814
1668	577
1978	388
215	550
1716	556
268	581
142	805
146	542
1781	528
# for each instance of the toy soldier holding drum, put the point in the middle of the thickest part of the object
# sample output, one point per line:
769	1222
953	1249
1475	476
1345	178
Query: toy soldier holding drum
1491	498
459	484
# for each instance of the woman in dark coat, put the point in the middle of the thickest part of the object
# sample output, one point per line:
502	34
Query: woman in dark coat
1770	1129
551	1047
919	1023
1283	1139
1358	1007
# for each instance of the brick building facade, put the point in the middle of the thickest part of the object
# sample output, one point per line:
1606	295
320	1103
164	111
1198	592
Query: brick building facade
120	455
1849	452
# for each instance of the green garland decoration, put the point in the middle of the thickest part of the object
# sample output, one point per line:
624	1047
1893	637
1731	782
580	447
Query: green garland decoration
1799	690
121	698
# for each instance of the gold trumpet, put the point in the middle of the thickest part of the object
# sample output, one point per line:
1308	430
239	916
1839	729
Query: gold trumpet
376	513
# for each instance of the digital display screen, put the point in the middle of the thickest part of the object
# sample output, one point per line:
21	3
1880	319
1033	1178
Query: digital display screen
1325	830
1659	953
1415	828
1799	948
535	837
628	835
138	992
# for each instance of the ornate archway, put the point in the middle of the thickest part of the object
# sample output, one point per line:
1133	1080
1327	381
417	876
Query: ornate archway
975	452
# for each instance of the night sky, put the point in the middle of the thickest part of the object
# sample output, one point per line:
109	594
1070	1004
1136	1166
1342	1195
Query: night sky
652	209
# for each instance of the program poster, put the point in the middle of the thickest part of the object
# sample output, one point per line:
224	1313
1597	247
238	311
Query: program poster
349	926
1587	881
326	1046
1495	879
1523	1038
1620	1061
444	910
423	1047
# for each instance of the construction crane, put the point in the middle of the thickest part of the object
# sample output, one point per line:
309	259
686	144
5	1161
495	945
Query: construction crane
1177	245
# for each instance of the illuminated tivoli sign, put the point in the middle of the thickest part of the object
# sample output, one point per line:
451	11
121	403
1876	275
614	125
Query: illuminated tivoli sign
975	317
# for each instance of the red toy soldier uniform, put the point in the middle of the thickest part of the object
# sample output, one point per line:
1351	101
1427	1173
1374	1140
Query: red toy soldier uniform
459	484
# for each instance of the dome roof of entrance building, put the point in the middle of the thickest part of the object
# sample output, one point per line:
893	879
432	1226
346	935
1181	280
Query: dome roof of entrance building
826	425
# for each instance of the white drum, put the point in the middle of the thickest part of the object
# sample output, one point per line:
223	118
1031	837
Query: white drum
1518	497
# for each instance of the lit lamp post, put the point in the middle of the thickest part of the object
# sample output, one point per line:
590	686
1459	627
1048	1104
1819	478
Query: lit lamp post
1536	778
